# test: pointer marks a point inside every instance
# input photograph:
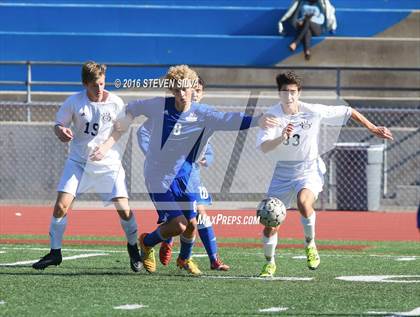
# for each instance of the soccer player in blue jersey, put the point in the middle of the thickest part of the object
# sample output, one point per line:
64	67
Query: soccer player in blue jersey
205	228
180	130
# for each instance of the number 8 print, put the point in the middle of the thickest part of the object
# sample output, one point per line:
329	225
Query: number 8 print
177	128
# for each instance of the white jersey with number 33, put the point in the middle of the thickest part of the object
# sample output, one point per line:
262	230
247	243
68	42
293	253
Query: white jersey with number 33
92	124
303	144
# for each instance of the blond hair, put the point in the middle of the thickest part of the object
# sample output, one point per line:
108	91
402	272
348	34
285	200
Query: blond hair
92	71
182	74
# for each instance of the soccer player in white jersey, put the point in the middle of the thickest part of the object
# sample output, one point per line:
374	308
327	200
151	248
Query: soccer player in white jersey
86	119
299	170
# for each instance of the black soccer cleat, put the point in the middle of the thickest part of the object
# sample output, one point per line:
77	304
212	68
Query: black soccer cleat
52	258
135	259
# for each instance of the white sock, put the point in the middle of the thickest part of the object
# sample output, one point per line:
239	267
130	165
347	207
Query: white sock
130	228
270	245
309	229
57	228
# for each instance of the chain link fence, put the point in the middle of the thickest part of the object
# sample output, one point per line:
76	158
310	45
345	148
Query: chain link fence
32	158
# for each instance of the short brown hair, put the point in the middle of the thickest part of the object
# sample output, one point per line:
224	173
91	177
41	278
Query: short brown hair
288	78
91	71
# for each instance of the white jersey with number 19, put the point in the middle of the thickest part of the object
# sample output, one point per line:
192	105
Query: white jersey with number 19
92	124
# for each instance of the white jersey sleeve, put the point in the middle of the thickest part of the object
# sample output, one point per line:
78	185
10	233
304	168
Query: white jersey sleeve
265	135
333	115
64	115
269	133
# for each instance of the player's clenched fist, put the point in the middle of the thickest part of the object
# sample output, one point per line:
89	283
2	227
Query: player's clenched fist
287	131
63	133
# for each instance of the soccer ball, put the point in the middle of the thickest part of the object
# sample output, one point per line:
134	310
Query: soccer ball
271	211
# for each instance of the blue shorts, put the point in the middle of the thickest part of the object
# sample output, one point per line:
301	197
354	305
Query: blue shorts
176	201
195	185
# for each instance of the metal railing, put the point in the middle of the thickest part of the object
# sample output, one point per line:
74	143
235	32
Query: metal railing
338	87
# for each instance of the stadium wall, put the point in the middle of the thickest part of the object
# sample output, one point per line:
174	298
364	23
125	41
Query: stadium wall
243	33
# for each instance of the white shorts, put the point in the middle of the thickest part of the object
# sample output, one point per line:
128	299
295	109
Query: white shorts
287	188
107	182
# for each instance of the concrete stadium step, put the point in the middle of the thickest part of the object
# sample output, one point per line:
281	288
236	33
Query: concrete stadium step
323	78
363	52
408	27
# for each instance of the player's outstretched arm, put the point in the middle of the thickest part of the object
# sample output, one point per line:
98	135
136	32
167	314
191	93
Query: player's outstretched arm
267	121
231	121
63	134
379	131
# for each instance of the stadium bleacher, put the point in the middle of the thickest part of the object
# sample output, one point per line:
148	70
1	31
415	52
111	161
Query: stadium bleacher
236	33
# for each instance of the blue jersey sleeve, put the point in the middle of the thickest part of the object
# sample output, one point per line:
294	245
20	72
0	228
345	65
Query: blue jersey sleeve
209	155
229	121
145	107
143	136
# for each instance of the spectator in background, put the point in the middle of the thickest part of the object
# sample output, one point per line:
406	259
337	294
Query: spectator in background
309	17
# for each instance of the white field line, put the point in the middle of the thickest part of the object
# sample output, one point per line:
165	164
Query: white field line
130	306
74	257
414	312
408	258
275	278
64	250
380	278
288	254
198	255
337	255
272	309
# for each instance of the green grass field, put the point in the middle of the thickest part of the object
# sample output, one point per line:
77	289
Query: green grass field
97	285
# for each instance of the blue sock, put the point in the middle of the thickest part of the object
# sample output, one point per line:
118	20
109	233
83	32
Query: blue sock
209	240
186	247
153	238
